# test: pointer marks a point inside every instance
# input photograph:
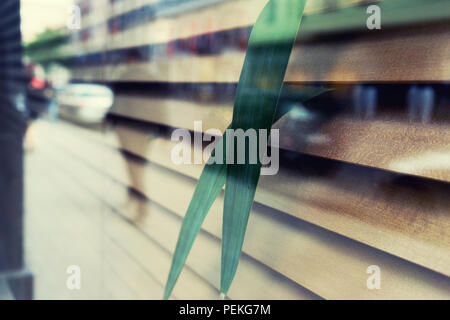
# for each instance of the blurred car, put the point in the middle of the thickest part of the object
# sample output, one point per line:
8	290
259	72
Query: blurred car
86	103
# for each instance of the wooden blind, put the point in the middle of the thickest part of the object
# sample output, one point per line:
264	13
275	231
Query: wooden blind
352	191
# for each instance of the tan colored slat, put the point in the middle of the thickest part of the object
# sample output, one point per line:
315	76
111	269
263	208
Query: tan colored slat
418	149
410	148
265	284
117	290
384	56
378	56
94	148
411	222
173	112
145	286
157	262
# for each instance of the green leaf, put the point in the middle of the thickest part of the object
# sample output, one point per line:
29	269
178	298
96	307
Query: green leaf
260	83
208	187
213	176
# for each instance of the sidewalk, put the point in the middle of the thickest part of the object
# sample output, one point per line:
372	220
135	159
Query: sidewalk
65	225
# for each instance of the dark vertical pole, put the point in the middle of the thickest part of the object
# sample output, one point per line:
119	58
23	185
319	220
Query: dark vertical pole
13	275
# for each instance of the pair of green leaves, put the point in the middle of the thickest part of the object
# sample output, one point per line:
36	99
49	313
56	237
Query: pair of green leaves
258	92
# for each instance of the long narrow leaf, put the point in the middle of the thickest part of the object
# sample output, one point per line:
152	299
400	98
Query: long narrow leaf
268	52
208	187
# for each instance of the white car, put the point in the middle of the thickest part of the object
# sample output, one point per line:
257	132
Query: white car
87	103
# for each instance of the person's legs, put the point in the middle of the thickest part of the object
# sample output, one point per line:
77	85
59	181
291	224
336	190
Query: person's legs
30	137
